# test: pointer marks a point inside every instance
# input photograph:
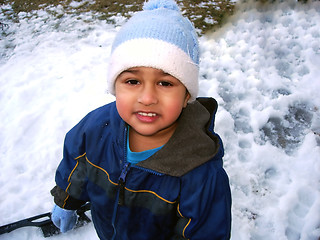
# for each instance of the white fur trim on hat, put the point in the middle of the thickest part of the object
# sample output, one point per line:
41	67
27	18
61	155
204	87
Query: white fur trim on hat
150	52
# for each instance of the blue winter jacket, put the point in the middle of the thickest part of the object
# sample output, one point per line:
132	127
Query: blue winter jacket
181	192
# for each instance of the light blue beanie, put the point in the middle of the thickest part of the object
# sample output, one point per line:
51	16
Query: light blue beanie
158	37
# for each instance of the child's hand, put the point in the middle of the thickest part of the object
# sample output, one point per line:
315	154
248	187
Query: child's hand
63	219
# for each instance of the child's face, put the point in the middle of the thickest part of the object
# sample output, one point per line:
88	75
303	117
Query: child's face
149	100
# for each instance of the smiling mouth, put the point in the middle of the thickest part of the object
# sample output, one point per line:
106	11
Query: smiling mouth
147	117
144	114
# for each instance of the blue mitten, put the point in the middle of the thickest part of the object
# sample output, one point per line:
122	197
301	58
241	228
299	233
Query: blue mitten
63	219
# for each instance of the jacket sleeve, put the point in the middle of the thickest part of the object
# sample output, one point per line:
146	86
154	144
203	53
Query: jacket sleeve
70	192
205	204
64	200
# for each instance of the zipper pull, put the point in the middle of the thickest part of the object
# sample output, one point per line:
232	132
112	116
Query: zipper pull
122	183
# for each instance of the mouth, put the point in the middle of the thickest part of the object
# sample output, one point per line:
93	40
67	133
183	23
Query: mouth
144	114
147	117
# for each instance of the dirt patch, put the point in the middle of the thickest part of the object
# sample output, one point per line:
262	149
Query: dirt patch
205	14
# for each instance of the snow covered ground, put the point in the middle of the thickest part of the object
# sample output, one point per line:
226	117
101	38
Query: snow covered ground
263	67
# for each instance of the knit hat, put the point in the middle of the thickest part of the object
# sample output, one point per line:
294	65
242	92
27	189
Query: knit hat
158	37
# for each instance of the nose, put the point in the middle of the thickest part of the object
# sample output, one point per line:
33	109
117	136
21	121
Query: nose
148	96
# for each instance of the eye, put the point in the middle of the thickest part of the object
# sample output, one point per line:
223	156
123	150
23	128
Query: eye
165	84
132	82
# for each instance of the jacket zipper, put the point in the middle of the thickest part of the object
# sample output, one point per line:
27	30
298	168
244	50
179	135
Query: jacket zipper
122	183
119	197
121	187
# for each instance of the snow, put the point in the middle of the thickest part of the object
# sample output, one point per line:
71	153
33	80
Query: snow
262	67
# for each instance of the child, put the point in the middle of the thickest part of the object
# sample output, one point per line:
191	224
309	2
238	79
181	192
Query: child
150	162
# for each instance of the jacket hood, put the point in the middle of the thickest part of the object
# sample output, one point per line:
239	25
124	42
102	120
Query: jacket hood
192	144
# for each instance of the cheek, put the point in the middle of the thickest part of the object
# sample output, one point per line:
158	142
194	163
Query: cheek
122	106
174	108
176	103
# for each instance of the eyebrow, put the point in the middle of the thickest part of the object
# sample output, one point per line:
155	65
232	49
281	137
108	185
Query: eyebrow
130	71
137	71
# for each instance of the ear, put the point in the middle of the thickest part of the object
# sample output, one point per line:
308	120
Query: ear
187	97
